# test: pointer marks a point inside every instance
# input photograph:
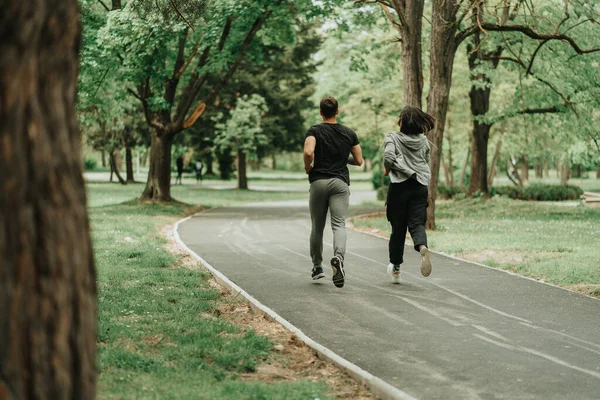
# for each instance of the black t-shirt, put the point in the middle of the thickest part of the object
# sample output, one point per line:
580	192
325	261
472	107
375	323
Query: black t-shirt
334	142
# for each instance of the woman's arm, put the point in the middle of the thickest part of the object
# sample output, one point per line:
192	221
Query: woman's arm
393	161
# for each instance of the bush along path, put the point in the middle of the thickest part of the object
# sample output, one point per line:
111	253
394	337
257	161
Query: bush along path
166	330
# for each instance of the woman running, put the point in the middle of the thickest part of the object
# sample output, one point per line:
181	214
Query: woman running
406	161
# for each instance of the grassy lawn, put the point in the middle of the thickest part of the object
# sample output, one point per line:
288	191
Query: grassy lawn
554	243
161	331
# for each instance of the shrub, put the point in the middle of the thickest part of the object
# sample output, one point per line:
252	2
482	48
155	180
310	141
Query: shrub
539	192
376	179
449	192
89	164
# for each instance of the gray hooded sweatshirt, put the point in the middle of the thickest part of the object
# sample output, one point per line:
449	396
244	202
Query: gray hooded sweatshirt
407	156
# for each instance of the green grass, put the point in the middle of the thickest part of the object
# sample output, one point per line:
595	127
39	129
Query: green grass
159	335
101	194
556	243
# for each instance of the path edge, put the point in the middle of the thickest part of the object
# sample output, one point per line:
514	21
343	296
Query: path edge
377	386
350	225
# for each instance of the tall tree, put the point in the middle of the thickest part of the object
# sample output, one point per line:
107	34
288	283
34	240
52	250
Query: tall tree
47	278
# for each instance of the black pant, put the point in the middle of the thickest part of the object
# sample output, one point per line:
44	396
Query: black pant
406	208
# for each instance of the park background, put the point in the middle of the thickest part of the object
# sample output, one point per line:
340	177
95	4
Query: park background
514	87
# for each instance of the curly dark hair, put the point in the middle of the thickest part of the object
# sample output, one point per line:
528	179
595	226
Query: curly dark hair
329	107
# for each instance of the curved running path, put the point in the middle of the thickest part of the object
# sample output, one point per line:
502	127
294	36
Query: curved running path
466	332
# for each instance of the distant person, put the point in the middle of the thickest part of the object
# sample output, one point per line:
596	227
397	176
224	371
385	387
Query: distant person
328	148
406	160
179	163
198	168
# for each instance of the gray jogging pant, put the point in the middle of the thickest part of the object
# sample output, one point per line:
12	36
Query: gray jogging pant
333	195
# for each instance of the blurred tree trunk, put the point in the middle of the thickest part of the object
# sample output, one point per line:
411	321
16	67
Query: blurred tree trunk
209	164
129	164
524	170
274	161
546	172
496	156
450	158
463	172
539	169
103	154
241	171
47	275
158	185
113	168
565	173
598	173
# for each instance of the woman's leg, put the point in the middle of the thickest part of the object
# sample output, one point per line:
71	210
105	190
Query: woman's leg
417	214
397	201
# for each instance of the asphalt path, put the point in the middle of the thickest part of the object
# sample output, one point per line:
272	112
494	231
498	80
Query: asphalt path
466	332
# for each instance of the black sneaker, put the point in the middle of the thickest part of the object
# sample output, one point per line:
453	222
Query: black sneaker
317	273
338	271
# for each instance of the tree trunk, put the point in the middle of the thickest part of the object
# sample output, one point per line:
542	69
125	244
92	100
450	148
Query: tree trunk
446	172
598	173
145	157
492	172
479	96
209	164
47	276
113	168
565	173
129	164
512	170
103	155
442	52
412	62
158	185
241	170
546	172
274	161
524	170
577	172
539	169
118	160
463	172
450	158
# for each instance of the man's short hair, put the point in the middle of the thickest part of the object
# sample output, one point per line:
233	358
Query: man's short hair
329	107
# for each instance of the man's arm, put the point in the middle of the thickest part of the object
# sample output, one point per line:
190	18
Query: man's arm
309	152
356	157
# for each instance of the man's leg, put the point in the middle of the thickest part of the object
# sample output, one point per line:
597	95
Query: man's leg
318	204
339	199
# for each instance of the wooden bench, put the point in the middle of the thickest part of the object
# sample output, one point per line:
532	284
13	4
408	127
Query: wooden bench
591	199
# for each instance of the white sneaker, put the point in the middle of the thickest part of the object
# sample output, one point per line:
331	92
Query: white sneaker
425	262
394	272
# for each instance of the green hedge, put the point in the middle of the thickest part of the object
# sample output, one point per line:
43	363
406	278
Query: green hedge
539	192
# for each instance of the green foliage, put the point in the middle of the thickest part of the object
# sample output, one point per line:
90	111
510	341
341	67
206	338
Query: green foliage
378	180
90	164
243	131
539	192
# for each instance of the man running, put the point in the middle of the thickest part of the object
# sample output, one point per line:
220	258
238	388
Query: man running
328	148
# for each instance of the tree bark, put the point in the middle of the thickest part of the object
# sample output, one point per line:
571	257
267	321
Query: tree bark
463	172
539	169
546	172
496	156
158	185
524	170
442	52
241	170
47	275
479	96
103	155
273	161
129	165
412	58
113	168
209	164
450	158
598	173
118	160
565	173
